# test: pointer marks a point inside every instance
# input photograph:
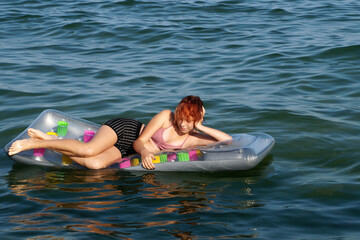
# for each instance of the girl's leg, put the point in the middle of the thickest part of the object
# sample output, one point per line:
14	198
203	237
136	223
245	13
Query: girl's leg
102	160
35	133
104	139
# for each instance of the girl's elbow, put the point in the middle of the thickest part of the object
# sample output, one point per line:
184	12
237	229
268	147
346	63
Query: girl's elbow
228	139
137	144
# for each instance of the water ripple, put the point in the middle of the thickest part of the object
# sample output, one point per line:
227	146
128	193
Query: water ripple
288	68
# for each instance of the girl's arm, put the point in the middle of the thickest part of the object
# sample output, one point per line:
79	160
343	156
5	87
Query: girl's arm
158	121
208	135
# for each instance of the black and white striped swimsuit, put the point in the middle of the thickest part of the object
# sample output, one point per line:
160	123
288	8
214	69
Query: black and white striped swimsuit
127	131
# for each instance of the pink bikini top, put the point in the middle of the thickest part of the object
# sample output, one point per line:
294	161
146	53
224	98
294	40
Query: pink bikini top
160	142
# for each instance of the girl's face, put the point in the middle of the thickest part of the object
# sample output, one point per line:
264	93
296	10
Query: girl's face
185	126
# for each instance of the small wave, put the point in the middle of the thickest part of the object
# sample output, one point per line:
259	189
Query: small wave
351	52
280	12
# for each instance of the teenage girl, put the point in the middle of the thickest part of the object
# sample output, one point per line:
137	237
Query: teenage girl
121	137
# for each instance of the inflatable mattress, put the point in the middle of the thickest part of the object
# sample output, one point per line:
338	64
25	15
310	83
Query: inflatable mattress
243	152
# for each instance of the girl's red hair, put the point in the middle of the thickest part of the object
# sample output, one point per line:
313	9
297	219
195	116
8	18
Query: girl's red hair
189	108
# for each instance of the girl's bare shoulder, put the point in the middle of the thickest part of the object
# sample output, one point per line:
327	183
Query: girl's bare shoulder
167	115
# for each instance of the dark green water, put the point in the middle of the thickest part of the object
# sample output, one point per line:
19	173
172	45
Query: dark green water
287	68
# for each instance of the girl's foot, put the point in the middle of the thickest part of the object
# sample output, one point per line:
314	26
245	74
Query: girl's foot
21	145
35	133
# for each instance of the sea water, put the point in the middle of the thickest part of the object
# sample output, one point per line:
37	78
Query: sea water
287	68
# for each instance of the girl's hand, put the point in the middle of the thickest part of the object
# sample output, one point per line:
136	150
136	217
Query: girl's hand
147	161
199	123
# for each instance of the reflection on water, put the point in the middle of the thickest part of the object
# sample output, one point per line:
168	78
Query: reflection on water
114	203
